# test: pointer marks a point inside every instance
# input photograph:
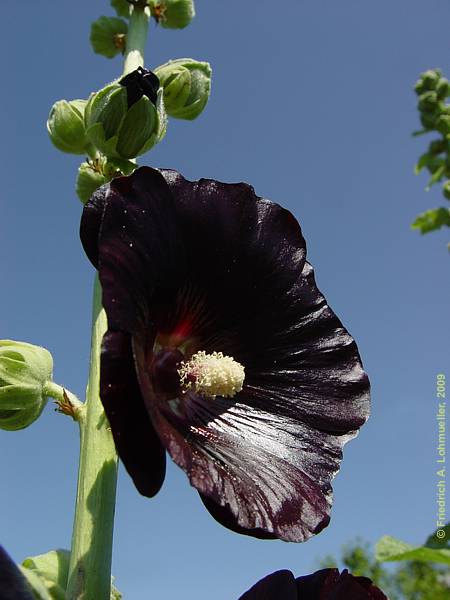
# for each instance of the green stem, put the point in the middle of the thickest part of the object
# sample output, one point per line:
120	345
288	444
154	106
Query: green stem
136	38
90	561
91	553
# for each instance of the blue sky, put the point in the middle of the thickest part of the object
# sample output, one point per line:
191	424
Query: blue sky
312	104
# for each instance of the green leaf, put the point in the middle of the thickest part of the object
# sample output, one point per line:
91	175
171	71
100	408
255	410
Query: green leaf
423	161
40	591
47	574
432	219
438	174
390	549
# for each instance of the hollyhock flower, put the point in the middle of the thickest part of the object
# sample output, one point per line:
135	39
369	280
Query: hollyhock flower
327	584
221	350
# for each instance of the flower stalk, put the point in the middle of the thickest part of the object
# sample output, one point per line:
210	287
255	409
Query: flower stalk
136	38
90	562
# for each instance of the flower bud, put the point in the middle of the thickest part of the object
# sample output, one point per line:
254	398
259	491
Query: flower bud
172	14
65	126
25	370
95	173
108	36
89	179
187	86
127	117
428	81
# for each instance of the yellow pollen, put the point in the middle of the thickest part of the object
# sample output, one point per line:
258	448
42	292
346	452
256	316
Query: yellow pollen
212	374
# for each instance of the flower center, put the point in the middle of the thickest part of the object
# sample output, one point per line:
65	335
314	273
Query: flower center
212	374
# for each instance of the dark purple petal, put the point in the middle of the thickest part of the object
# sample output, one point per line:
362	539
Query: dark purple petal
137	444
277	586
91	221
13	585
226	518
329	584
139	249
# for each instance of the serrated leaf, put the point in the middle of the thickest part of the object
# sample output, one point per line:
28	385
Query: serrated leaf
432	219
389	549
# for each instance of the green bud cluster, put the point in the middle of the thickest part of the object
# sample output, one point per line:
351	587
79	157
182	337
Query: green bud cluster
187	86
432	90
119	122
127	118
25	371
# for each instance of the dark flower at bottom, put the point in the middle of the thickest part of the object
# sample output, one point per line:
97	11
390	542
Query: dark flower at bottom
221	350
327	584
13	585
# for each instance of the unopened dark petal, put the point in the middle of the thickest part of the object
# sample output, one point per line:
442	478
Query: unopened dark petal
329	584
139	83
13	585
137	444
277	586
